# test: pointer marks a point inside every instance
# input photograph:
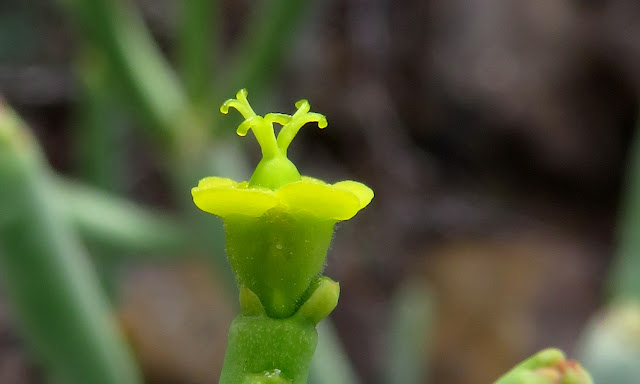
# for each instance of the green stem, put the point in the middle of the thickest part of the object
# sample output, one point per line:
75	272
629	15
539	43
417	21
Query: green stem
278	349
52	287
265	350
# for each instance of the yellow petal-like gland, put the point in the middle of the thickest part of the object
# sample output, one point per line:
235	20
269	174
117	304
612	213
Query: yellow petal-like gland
319	200
364	193
223	197
341	201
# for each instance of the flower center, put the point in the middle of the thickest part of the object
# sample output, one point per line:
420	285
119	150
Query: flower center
275	169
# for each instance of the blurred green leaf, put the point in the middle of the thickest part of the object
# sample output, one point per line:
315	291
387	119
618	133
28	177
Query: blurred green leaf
624	280
199	32
148	81
53	289
610	344
99	132
107	219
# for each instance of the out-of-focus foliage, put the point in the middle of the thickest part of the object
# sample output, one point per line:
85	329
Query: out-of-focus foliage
495	133
52	286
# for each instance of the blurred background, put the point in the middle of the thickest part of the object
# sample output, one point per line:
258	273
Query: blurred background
497	135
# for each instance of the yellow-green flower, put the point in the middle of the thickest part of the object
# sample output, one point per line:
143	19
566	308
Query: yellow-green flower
278	224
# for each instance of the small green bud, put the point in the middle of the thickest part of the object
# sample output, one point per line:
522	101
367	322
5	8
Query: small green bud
549	366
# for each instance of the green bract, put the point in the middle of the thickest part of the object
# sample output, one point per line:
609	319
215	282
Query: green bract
279	224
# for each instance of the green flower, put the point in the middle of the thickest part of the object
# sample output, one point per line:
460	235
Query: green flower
278	224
